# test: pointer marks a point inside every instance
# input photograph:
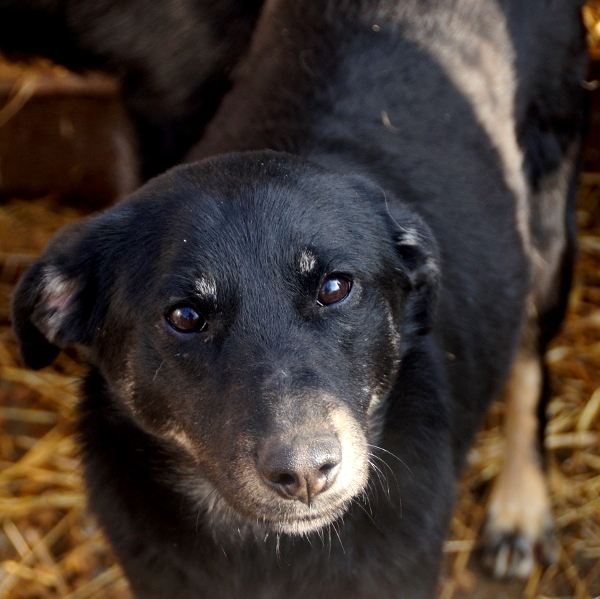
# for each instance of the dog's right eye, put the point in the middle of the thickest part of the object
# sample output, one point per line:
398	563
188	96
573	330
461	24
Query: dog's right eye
185	319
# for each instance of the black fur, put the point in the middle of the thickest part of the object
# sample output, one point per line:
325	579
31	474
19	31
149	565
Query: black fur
411	206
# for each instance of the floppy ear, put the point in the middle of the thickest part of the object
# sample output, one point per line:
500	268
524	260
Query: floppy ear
48	303
419	261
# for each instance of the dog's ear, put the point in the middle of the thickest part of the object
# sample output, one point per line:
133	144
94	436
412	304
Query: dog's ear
49	303
418	258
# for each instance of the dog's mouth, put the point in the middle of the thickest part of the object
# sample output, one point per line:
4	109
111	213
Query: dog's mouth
303	525
279	516
256	508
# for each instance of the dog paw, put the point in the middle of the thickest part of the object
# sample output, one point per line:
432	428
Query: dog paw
519	531
514	554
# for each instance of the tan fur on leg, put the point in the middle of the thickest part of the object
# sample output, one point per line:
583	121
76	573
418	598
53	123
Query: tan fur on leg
519	519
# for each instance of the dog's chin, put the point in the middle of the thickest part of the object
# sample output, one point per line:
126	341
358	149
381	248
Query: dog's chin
305	526
224	518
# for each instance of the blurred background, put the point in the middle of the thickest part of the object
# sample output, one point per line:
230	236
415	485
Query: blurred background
67	148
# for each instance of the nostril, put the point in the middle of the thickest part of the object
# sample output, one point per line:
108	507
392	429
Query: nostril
284	479
327	468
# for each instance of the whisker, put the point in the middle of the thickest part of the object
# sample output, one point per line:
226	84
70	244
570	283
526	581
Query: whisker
374	491
333	524
362	507
393	455
390	469
364	497
321	534
383	481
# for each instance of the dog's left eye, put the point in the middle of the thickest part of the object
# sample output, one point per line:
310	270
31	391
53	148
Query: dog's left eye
333	290
185	319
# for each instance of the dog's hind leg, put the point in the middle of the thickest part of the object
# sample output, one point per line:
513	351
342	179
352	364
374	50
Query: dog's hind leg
519	527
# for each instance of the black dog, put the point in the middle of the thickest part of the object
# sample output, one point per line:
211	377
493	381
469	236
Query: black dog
175	58
291	350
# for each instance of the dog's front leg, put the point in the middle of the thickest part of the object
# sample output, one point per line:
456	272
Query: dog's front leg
519	527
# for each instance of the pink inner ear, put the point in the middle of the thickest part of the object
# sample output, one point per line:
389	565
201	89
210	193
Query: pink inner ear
57	289
57	294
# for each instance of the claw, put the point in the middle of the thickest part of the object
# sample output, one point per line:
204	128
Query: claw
514	555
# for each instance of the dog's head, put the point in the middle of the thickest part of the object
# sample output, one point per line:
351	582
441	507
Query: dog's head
250	312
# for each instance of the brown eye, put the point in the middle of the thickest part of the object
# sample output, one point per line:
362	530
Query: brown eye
333	290
186	320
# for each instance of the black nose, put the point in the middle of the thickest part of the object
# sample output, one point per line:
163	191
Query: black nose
301	468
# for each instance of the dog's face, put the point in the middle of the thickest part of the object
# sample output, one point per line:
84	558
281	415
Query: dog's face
250	312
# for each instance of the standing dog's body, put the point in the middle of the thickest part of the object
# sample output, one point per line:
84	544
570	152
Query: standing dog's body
275	406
